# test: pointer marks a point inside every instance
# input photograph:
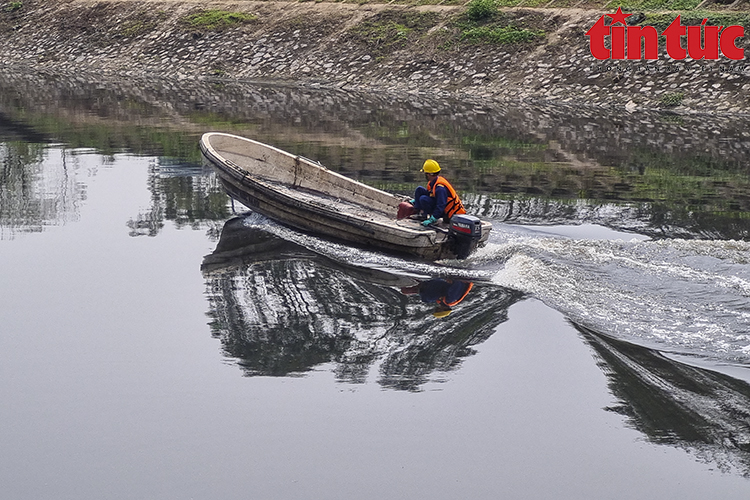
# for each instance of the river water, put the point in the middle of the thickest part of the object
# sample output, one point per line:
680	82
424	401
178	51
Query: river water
158	341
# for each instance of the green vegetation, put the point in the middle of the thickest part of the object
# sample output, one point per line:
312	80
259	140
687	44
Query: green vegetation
661	20
483	23
391	30
505	35
217	20
13	6
138	27
693	192
386	32
133	28
480	10
142	23
117	137
484	147
672	99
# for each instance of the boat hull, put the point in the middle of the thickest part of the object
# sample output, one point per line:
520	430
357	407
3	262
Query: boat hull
304	195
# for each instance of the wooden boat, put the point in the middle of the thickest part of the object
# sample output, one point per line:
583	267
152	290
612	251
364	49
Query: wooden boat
305	195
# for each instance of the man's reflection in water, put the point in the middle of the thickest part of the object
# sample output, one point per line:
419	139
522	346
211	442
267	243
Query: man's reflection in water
446	293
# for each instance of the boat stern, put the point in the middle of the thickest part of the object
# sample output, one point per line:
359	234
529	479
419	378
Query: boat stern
467	233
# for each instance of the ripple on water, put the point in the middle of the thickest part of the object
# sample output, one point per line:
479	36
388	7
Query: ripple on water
684	296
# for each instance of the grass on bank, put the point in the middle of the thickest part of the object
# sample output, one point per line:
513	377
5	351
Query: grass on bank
216	20
391	30
501	35
484	23
661	20
144	22
481	23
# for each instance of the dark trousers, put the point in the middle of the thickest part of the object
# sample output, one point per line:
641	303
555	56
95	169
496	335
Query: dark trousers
423	202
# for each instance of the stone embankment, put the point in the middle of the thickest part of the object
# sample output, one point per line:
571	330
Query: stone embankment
373	47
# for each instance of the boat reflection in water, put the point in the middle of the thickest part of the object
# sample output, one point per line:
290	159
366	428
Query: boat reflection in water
702	411
281	309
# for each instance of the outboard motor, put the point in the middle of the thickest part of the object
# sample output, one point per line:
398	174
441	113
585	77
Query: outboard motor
465	231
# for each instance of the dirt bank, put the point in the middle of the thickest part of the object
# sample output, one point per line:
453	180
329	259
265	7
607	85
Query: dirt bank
368	46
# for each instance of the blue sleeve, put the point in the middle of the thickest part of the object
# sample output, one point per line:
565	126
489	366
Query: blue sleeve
441	200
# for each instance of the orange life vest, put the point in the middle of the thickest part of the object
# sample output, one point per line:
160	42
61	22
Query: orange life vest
454	205
469	286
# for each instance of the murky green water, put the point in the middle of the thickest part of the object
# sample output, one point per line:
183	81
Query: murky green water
153	345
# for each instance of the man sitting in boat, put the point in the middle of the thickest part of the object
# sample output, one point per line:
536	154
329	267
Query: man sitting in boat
438	199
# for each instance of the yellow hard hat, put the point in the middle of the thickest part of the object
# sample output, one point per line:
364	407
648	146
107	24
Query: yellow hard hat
441	314
430	167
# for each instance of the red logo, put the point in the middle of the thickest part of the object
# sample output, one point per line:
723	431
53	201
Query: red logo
642	42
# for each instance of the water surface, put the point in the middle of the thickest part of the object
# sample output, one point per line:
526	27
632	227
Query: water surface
154	344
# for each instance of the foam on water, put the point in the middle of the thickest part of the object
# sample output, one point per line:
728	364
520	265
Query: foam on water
684	296
690	297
